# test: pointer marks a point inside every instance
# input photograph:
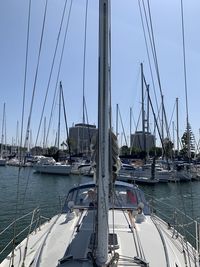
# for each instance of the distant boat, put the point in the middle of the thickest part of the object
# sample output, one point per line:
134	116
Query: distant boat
137	179
50	166
2	162
81	167
13	162
143	174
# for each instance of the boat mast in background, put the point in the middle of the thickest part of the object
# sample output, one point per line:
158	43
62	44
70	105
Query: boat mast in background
177	126
3	131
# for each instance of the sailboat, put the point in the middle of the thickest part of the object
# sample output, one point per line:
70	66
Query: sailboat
48	165
105	222
2	160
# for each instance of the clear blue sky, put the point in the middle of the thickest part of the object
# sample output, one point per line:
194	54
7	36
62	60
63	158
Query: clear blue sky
128	51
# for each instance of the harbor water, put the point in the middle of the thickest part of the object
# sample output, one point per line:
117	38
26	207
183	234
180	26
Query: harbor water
24	190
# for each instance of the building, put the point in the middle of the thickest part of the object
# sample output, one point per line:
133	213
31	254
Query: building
80	137
138	141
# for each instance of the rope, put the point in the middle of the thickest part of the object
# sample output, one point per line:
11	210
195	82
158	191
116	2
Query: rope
163	242
136	239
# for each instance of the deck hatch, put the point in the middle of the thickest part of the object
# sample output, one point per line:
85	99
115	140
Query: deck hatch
112	241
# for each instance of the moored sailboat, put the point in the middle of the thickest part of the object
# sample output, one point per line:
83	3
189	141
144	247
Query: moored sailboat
50	166
104	223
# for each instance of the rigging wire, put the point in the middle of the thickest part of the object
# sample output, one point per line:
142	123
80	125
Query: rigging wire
21	135
84	57
170	121
33	93
25	78
152	50
2	130
148	54
58	74
5	125
123	128
157	69
36	75
51	71
154	47
186	96
136	128
151	105
185	77
88	127
154	53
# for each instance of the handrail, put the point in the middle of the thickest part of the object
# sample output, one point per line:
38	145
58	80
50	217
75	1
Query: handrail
10	242
38	218
171	207
181	223
157	200
16	221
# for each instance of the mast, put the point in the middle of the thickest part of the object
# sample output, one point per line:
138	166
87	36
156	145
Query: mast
2	130
104	133
143	112
117	114
44	136
173	127
177	126
147	124
162	123
58	137
130	127
17	139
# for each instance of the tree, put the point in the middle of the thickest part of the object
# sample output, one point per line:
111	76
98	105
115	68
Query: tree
52	150
124	150
168	147
188	149
37	150
155	151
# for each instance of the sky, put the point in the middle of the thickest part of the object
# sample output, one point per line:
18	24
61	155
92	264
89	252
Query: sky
128	50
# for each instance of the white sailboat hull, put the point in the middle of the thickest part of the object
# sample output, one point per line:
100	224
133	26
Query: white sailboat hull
65	240
2	162
53	169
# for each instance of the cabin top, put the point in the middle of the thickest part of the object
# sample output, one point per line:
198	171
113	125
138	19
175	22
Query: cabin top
126	196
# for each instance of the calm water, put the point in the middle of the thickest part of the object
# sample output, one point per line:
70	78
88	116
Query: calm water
44	191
